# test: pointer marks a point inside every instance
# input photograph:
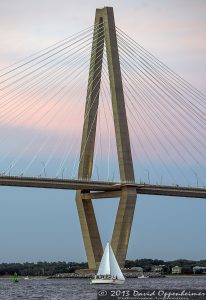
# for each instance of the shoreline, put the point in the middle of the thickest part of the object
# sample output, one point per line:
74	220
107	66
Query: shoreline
89	276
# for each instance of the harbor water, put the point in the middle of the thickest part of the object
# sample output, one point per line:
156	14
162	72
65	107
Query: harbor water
79	289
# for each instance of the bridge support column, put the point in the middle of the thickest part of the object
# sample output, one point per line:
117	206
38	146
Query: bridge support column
123	223
90	232
124	217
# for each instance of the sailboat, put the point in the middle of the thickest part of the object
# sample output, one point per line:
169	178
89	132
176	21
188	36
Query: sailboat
109	270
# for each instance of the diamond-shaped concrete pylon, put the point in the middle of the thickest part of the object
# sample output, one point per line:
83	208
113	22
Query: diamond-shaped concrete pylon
105	32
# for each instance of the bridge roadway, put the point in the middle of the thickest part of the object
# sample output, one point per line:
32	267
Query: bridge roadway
101	189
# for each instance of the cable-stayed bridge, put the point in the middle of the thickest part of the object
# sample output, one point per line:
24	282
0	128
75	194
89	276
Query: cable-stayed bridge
143	127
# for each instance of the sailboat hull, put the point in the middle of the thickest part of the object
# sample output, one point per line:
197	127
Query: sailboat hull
106	281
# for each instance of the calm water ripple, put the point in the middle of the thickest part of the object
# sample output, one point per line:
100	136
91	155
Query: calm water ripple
79	289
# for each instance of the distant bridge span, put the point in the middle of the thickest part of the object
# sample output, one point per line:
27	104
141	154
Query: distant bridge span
101	189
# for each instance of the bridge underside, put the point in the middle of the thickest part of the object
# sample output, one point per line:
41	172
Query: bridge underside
97	189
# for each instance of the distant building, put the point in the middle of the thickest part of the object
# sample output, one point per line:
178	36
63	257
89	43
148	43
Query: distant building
199	270
137	269
158	268
176	270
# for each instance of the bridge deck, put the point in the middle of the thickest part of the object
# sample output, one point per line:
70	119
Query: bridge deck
101	189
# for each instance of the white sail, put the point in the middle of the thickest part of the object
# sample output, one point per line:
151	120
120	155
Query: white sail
104	267
114	267
109	264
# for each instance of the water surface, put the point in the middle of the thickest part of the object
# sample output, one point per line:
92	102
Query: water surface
79	289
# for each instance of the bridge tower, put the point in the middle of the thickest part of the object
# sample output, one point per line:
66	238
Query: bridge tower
105	33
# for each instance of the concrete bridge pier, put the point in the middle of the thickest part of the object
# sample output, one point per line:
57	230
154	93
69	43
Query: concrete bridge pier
120	239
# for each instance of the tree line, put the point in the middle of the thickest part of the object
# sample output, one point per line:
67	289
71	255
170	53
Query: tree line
40	268
51	268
